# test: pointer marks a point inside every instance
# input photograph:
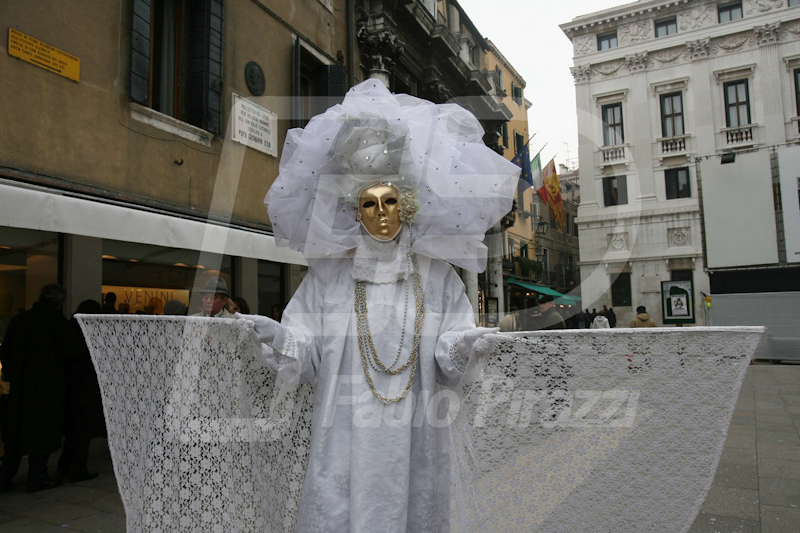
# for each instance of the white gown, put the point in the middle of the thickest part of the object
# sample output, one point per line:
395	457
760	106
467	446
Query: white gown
374	467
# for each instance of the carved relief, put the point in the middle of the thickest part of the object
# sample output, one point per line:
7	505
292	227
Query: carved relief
610	70
761	6
581	74
584	44
617	242
635	32
636	62
679	236
698	49
767	34
733	43
669	57
699	17
379	50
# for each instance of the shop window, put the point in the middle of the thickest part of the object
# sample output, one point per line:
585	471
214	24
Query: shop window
615	191
621	290
613	133
271	289
672	115
666	27
607	41
737	104
677	183
144	277
730	12
29	260
176	59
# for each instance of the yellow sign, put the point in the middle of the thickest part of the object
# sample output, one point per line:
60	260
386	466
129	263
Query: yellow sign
43	55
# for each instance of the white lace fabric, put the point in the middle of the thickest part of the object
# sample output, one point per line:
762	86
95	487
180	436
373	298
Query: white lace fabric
613	430
382	262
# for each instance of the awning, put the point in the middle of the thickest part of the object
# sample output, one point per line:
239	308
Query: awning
541	289
568	299
48	210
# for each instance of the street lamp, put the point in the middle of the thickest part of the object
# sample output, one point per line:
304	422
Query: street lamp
541	226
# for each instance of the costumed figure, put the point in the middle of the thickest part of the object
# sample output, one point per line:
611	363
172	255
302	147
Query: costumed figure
380	194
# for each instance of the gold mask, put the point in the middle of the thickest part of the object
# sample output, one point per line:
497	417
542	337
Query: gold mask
379	212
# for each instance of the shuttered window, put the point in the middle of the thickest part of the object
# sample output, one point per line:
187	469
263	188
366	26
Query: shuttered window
176	59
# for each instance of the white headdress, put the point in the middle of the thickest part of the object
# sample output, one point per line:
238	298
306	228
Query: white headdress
464	188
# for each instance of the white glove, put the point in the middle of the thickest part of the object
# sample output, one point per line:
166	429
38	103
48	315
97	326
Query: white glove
465	344
264	327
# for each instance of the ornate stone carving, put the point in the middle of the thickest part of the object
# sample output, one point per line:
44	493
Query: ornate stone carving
761	6
435	91
699	17
698	49
610	70
767	34
617	242
635	32
584	44
636	62
669	57
793	29
734	43
380	50
679	237
581	74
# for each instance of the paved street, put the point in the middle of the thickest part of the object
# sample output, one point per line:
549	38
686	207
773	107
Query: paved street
756	489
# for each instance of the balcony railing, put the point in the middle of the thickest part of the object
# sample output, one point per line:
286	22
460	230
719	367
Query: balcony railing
614	155
673	147
740	135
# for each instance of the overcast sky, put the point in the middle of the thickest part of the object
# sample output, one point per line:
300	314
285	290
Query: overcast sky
527	34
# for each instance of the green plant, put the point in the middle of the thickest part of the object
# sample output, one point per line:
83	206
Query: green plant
529	267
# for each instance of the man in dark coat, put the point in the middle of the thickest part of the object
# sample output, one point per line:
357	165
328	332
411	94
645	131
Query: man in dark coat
34	355
549	317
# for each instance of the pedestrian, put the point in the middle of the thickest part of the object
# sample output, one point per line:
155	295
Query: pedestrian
612	317
215	299
84	418
600	321
549	318
110	303
581	319
642	319
238	304
510	322
34	355
175	308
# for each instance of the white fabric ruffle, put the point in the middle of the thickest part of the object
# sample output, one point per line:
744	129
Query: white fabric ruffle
464	187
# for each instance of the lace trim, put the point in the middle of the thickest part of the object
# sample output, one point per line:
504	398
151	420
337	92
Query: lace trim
382	262
287	356
455	357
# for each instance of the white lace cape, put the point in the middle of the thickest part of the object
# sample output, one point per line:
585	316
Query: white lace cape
611	430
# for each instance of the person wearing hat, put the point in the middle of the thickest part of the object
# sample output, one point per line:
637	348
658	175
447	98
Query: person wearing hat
215	299
549	318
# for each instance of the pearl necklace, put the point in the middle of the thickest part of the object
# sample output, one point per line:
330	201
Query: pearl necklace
369	355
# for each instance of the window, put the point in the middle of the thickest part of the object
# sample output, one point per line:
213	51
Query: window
793	3
730	12
613	134
505	134
737	105
797	89
498	79
315	85
516	93
666	27
607	41
615	191
176	60
574	228
677	183
680	275
621	290
671	115
519	142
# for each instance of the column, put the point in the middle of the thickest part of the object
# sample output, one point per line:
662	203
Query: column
768	71
639	135
83	270
246	281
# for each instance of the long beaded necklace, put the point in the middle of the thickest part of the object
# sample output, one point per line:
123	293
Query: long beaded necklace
369	355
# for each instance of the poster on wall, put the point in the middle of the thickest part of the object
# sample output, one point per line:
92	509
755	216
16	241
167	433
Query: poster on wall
677	302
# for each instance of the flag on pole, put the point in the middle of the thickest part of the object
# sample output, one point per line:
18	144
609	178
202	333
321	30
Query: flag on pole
537	182
523	160
553	193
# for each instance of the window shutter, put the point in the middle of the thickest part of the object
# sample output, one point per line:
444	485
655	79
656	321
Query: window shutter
140	52
332	85
204	84
297	118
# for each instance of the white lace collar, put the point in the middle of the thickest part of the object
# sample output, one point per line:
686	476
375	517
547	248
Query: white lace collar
382	262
